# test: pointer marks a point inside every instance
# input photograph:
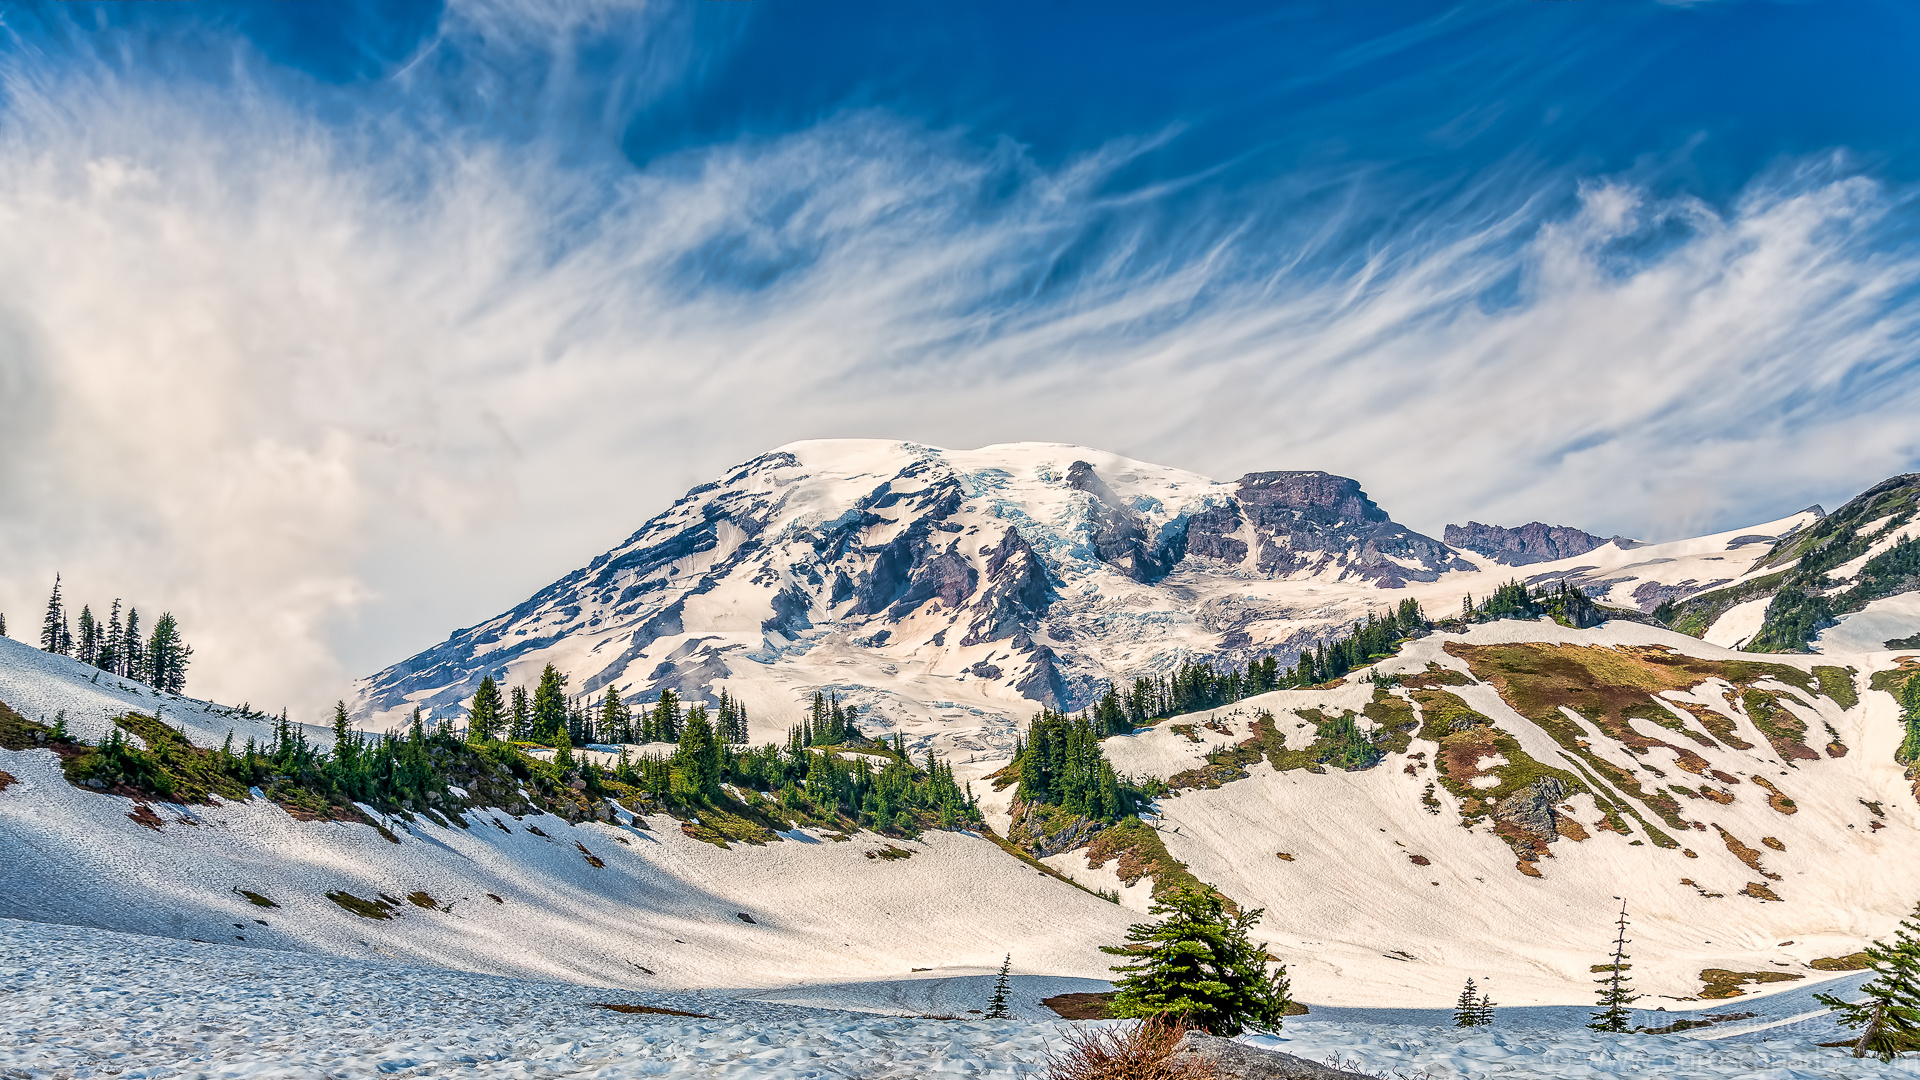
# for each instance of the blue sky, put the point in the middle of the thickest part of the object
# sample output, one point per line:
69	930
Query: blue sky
352	322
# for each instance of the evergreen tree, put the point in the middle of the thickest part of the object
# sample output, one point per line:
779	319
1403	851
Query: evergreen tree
997	1005
1484	1010
54	624
88	642
107	657
485	717
346	743
133	650
699	755
167	656
1466	1010
1889	1016
616	720
1615	994
664	721
3	624
1197	965
522	715
549	721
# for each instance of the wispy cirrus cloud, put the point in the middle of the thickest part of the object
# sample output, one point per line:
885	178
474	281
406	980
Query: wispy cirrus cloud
328	389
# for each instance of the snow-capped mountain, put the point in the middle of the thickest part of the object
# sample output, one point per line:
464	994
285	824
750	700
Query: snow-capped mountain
980	581
950	593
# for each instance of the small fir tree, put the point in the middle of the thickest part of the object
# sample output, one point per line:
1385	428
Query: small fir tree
549	719
1889	1016
1198	966
1615	994
89	640
997	1005
522	714
484	718
107	657
616	721
133	649
699	755
167	656
1466	1011
55	621
1484	1010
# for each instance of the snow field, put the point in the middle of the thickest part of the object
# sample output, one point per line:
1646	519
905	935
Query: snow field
78	1004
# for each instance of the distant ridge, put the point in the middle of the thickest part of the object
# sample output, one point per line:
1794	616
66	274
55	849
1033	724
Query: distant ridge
1533	542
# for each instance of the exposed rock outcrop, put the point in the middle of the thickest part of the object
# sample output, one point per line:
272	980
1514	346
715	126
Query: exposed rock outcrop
1530	543
1532	808
1287	522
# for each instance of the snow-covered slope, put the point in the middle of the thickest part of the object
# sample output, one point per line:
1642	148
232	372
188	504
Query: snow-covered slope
47	688
1383	885
635	904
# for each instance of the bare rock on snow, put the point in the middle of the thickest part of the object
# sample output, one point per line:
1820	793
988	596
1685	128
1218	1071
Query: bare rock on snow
1532	807
1238	1061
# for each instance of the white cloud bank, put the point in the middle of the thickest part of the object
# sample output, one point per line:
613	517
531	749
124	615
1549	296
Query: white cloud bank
327	393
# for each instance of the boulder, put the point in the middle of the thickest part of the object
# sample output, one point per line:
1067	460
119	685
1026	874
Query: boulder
1238	1061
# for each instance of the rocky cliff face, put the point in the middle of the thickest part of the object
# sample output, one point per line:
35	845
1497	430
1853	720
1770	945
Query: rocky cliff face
1533	542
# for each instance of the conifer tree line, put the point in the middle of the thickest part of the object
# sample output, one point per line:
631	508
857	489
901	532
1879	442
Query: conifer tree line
828	723
115	644
1059	763
1567	604
549	717
710	751
1198	687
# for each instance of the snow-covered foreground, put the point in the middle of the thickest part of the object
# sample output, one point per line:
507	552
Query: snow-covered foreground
79	1003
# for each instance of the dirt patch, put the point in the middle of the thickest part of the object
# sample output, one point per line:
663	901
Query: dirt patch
1782	728
1748	855
1081	1006
1759	891
1283	856
1720	983
1420	860
7	780
366	909
1773	842
1855	962
889	853
592	859
1141	853
422	900
255	898
651	1010
144	815
1775	798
